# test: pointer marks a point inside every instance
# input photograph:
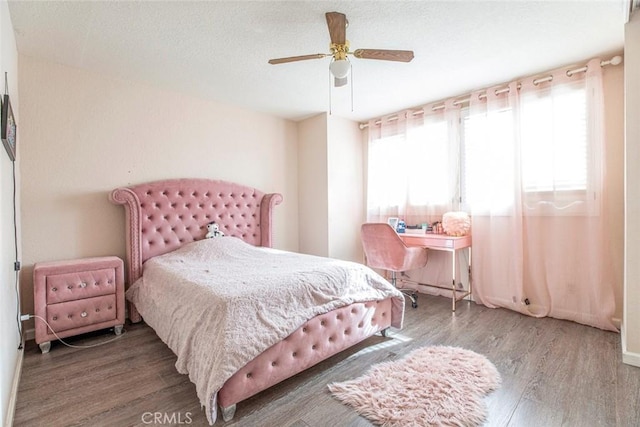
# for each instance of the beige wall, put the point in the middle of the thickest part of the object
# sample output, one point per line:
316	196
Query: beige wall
331	187
84	134
9	337
631	319
614	165
312	186
346	188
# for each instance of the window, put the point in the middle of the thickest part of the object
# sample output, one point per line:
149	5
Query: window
409	172
539	150
554	140
544	149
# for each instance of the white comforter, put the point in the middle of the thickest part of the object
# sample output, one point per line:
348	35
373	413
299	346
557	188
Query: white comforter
219	303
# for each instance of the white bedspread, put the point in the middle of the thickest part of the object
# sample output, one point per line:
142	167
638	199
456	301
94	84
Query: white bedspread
219	303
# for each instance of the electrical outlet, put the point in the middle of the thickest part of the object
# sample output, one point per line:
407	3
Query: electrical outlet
24	317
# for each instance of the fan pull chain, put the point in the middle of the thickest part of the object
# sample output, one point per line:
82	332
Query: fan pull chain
351	82
330	90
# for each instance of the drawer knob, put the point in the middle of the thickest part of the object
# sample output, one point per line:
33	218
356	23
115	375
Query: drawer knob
83	285
83	314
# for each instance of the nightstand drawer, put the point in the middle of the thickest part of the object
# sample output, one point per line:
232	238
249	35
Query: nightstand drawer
79	285
75	314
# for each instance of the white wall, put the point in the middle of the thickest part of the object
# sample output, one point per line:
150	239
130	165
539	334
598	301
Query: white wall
631	316
85	134
9	337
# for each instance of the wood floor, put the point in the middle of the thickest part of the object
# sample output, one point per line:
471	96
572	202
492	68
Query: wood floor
554	373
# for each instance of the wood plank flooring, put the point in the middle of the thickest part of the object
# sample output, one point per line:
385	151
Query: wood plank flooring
554	373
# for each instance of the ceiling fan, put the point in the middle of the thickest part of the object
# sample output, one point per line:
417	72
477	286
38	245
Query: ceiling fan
340	65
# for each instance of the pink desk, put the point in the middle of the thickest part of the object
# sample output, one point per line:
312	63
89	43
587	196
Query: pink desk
442	242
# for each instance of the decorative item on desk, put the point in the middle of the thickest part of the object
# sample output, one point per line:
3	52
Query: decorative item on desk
401	226
416	229
436	227
456	223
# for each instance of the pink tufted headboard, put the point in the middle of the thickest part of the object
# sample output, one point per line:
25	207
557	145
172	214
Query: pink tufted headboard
161	216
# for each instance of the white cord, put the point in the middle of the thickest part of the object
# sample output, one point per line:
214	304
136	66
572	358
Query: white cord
76	346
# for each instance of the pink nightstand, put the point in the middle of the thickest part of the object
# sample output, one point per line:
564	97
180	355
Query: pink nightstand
78	296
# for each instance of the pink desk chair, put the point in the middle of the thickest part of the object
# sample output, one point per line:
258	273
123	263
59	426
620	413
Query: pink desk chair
384	249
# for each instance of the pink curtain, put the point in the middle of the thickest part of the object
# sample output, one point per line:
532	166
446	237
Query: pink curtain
413	165
540	245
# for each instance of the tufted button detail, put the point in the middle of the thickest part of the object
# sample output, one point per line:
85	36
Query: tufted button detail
294	354
249	374
83	314
83	285
273	363
322	323
304	329
69	287
69	316
54	289
55	317
313	347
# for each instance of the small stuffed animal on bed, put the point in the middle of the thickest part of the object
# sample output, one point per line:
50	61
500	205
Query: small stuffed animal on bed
213	230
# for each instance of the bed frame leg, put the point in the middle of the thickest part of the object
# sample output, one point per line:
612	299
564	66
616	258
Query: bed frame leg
228	412
384	332
45	347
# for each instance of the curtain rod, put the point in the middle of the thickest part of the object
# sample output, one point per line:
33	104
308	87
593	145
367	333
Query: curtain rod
616	60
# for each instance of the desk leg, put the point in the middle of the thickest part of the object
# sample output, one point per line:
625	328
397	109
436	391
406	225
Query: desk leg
470	296
453	281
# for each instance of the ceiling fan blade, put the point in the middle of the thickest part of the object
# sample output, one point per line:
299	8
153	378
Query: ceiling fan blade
385	55
340	82
297	58
337	23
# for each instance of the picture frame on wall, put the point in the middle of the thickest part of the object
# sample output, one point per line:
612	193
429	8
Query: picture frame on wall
8	128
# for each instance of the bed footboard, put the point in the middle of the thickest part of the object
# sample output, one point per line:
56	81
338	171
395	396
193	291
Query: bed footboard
318	339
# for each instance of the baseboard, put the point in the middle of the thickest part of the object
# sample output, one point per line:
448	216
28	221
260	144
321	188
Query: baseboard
11	410
29	334
629	358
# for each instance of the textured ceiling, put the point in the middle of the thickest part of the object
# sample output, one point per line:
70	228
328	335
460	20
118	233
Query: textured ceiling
219	50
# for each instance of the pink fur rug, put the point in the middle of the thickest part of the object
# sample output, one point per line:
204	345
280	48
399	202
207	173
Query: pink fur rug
431	386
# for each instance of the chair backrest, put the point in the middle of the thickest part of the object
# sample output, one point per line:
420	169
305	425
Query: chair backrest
385	249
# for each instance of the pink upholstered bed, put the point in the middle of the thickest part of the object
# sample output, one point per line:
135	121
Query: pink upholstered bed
165	217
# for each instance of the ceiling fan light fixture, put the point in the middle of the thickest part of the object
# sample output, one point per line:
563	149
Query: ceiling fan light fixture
340	68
